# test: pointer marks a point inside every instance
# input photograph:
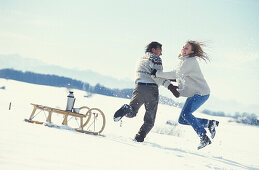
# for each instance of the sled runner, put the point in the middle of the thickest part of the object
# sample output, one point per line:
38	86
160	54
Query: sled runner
88	120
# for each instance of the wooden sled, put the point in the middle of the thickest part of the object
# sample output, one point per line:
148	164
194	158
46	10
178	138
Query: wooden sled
91	120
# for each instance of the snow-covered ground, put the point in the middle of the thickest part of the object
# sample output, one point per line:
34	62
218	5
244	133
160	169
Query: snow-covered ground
28	146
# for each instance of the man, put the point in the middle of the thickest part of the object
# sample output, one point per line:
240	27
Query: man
146	90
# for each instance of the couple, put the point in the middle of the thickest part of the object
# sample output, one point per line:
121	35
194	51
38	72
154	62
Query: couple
191	84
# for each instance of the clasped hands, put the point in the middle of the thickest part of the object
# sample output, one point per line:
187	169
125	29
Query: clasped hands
171	87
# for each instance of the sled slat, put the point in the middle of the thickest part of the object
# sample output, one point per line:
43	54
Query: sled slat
33	121
82	124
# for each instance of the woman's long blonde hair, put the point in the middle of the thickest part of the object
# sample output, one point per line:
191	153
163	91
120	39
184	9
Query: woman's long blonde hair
198	51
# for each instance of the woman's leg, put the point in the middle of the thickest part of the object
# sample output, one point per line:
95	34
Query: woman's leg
187	118
203	122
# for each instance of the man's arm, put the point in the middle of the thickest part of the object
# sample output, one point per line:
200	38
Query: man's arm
156	64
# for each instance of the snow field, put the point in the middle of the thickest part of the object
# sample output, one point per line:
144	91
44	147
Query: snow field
30	146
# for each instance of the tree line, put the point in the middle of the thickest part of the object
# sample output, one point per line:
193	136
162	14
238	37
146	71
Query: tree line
60	81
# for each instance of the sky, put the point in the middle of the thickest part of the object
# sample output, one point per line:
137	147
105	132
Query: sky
109	37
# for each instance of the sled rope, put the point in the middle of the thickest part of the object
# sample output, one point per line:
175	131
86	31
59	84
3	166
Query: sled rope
38	113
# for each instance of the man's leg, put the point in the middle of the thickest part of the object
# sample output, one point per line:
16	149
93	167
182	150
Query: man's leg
131	109
136	102
151	103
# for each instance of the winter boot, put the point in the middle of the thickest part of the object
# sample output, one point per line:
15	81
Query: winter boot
204	141
140	137
125	109
212	125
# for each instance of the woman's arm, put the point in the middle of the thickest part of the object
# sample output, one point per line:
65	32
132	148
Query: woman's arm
166	75
186	69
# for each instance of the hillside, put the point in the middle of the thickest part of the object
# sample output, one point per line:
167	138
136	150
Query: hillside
60	81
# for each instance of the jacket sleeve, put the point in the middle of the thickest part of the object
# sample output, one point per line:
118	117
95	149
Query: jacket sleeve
156	63
166	75
185	69
161	81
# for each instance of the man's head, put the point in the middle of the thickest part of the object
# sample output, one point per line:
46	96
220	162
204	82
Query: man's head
154	47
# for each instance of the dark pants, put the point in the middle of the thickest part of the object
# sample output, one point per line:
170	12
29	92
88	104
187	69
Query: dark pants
147	95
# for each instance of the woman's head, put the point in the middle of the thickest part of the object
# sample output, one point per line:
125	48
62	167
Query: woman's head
193	48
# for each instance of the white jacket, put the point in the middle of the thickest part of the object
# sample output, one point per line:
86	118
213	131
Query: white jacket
146	64
189	77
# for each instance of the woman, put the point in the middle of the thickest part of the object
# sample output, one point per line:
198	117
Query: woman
191	84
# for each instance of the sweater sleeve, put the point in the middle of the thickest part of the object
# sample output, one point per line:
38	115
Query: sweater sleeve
186	69
166	75
156	63
161	81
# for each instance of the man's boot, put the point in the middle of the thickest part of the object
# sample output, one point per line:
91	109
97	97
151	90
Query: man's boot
125	109
140	136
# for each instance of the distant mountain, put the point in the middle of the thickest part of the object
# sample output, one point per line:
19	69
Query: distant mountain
25	64
18	62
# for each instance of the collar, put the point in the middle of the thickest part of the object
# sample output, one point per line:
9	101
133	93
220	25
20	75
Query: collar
185	57
150	54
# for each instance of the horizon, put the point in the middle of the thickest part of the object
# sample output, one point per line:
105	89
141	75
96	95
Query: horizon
110	37
226	106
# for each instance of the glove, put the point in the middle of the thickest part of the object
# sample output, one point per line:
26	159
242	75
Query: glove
153	72
173	88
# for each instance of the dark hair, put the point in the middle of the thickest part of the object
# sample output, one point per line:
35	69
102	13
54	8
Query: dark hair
197	50
154	45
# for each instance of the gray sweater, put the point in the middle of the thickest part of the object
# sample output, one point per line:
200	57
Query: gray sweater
146	64
189	77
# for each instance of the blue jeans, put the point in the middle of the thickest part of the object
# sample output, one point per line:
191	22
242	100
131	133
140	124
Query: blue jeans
186	117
